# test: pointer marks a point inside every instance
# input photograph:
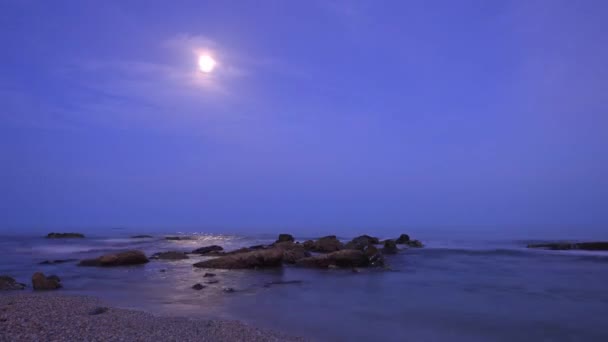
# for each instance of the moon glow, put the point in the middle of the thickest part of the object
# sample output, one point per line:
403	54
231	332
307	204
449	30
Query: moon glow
206	64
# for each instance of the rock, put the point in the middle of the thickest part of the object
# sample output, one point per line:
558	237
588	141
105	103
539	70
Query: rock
238	251
309	245
374	256
212	281
8	284
327	244
178	238
54	278
588	246
356	270
285	238
390	247
360	242
59	261
198	286
254	259
208	249
141	236
257	247
402	239
64	236
345	258
207	275
228	289
98	310
415	243
292	252
162	270
117	259
282	282
41	282
171	255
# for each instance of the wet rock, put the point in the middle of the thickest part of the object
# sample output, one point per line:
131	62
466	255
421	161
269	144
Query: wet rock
257	247
98	310
64	236
238	251
373	255
117	259
141	236
212	281
59	261
8	284
171	255
198	287
360	242
327	244
178	238
285	238
265	258
345	258
309	245
588	246
390	247
208	249
207	275
415	244
402	239
41	282
292	252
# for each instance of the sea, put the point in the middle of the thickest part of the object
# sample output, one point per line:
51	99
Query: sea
450	290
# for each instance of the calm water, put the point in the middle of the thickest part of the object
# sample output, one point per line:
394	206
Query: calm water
450	290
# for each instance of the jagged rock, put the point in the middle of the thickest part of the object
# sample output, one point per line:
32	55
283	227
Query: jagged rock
64	236
54	262
7	283
41	282
326	244
589	246
292	252
208	249
360	242
345	258
253	259
171	255
402	239
117	259
390	247
285	238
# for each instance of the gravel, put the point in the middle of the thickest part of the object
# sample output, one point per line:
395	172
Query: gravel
56	317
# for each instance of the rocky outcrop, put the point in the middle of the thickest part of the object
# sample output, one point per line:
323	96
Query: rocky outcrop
208	249
117	259
141	236
374	256
360	242
325	244
292	252
40	282
265	258
402	239
390	247
64	236
178	238
587	246
8	284
415	243
171	255
285	238
55	262
347	258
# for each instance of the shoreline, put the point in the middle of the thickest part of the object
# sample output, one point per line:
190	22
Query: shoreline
59	317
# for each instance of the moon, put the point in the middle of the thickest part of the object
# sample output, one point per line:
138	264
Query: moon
206	64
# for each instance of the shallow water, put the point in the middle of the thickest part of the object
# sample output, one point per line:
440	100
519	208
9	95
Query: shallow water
449	290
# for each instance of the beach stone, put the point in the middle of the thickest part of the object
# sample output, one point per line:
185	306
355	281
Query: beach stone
390	247
8	284
41	282
207	275
127	258
265	258
64	236
171	255
208	249
141	236
285	238
340	259
402	239
59	261
360	242
327	244
198	286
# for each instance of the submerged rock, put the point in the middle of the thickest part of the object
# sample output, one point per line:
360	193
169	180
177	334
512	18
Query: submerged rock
207	275
8	284
117	259
285	238
198	286
390	247
228	289
212	281
588	246
41	282
253	259
347	258
59	261
402	239
171	255
208	249
282	282
64	236
360	242
141	236
178	238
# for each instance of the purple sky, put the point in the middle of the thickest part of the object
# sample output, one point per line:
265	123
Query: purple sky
321	116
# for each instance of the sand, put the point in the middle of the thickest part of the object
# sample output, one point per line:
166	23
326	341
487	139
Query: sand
56	317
